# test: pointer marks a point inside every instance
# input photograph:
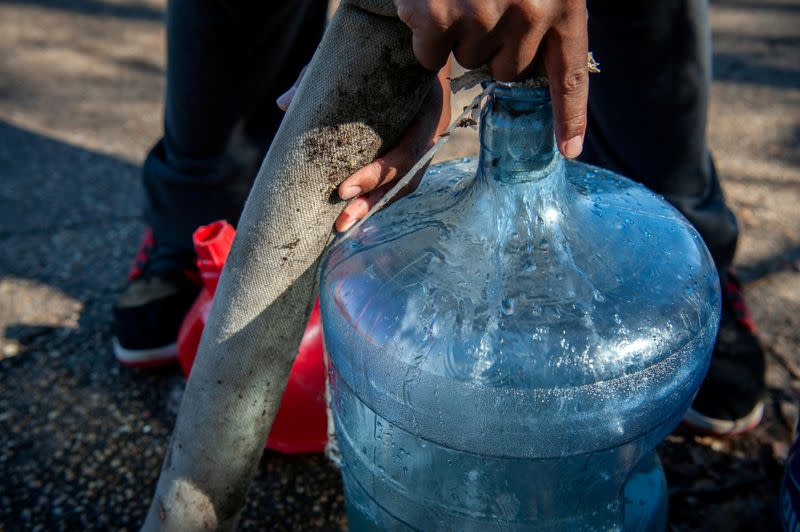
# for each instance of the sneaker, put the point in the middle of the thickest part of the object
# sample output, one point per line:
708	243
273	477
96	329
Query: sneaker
148	313
730	400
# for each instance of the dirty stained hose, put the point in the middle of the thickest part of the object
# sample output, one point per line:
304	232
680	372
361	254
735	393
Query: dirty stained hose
359	93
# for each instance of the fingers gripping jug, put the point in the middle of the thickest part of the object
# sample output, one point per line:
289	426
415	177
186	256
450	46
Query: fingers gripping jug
509	343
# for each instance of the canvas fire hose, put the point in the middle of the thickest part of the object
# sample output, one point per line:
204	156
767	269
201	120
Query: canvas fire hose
360	92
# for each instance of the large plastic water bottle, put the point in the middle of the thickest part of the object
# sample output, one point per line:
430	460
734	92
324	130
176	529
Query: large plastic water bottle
509	343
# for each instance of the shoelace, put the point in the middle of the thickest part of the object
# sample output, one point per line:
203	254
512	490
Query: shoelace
142	260
734	300
142	257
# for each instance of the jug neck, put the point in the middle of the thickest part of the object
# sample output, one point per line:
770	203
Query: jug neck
517	140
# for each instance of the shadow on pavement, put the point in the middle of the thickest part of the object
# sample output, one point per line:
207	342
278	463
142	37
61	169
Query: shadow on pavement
51	186
736	480
787	259
131	11
765	5
750	69
82	438
69	225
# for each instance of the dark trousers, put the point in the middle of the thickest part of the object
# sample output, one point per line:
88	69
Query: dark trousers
648	108
228	61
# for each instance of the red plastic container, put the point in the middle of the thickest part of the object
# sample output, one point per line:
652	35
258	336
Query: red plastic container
300	425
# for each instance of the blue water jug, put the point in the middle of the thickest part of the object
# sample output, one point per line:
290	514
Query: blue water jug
509	343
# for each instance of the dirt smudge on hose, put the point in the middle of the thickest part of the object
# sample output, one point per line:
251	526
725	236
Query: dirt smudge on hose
351	134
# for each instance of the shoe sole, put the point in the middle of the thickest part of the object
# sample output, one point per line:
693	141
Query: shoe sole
724	427
146	358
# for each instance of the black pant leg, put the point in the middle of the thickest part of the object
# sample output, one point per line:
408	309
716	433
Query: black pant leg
648	108
227	62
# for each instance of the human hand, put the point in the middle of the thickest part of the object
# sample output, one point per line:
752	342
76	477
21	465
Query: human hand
506	35
368	185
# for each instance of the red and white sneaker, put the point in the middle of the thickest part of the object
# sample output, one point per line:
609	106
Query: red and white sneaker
161	287
731	398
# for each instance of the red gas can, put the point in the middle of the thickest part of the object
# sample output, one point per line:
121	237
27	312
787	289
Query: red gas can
300	425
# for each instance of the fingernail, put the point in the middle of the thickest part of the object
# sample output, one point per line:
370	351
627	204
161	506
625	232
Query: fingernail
348	224
573	147
350	192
